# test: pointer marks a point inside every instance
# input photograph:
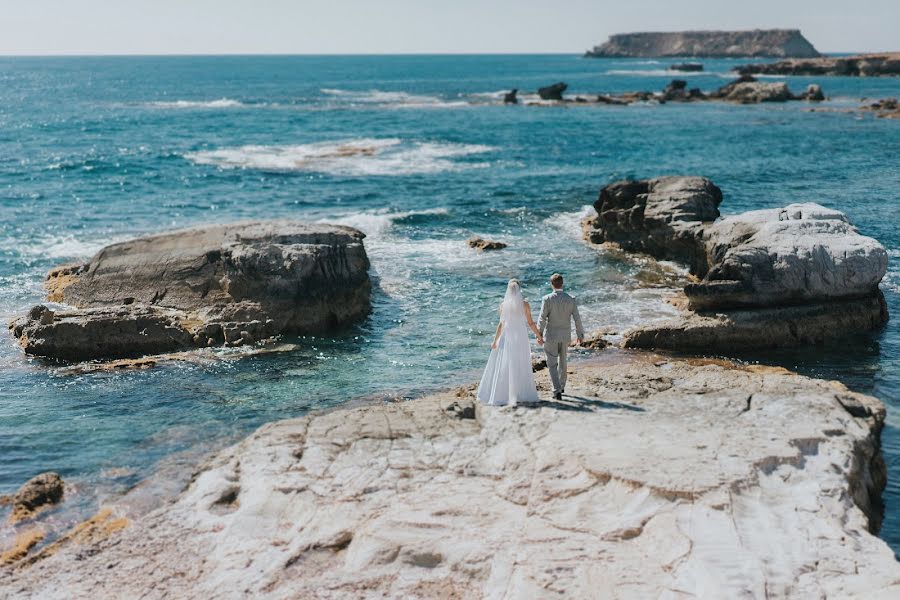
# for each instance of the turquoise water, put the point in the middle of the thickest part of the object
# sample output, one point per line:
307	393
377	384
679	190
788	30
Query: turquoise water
99	149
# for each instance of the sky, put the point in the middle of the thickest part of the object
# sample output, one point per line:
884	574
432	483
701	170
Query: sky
416	26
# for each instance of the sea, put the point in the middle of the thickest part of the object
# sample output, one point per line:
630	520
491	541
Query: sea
419	153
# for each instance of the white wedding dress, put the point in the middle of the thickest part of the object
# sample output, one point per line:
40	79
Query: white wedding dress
508	378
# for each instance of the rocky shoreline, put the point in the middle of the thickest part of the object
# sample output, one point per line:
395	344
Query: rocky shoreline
596	496
655	473
884	64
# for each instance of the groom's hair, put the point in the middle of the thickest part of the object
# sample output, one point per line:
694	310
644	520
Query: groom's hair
556	281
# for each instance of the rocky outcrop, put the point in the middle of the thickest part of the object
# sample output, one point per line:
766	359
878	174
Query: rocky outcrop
758	42
482	244
654	475
769	278
223	284
662	217
746	90
553	92
800	254
860	65
37	494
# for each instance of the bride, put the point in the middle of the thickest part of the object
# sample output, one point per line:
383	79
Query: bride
508	378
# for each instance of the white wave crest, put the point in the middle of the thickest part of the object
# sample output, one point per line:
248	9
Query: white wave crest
361	157
669	73
220	103
377	222
391	99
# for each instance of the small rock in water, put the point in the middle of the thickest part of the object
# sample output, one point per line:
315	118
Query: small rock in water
814	93
483	244
35	495
511	97
553	92
688	67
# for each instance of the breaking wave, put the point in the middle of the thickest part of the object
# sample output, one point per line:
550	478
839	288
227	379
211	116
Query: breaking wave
355	158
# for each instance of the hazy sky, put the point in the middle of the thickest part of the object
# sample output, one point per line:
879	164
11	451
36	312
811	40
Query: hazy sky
426	26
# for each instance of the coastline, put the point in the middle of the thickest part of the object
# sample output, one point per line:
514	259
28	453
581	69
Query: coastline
401	497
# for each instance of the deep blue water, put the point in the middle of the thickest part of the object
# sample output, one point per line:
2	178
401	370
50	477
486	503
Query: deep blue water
100	149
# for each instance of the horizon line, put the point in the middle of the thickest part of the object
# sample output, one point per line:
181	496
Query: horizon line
357	54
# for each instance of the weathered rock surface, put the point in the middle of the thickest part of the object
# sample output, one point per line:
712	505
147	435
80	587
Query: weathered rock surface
861	65
758	42
553	92
800	254
482	244
223	284
738	331
747	90
37	494
803	256
662	217
657	475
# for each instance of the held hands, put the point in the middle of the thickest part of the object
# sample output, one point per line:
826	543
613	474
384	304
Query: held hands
540	341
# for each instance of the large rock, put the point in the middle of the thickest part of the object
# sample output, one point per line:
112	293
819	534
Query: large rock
35	495
662	217
658	475
758	42
800	254
803	256
233	284
860	65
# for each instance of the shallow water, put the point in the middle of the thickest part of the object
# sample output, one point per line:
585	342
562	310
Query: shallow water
418	153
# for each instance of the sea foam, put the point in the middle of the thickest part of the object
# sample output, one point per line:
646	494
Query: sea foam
354	158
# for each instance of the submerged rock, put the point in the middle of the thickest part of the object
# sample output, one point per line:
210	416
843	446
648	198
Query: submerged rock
860	65
888	108
654	474
757	42
553	92
222	284
805	259
687	67
37	494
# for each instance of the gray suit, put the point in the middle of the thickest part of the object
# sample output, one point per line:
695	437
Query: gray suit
558	310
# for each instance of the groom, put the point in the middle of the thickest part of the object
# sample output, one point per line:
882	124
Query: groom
558	310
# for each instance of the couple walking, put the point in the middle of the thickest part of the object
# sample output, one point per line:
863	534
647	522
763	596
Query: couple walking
508	377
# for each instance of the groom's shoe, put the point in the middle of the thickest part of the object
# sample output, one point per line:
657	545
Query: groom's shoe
557	395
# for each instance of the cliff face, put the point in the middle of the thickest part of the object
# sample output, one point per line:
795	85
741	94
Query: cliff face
758	42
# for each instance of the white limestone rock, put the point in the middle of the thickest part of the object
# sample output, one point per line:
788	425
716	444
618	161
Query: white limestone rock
657	478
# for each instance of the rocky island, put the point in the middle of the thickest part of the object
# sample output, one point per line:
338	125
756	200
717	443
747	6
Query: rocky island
217	285
657	474
768	278
712	44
